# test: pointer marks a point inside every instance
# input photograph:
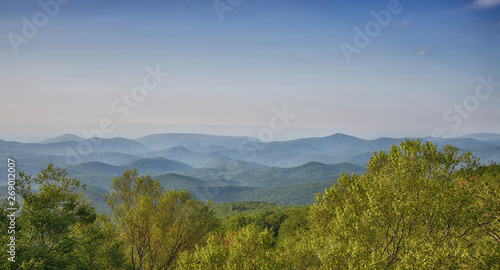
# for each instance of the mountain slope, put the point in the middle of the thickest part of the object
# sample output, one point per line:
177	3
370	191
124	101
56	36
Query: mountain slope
177	181
95	168
157	165
482	136
243	175
182	154
297	194
77	149
63	138
194	142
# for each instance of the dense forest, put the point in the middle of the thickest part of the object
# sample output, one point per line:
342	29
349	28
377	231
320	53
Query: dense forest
415	207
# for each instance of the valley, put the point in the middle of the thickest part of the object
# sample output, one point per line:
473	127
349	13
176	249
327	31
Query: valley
221	168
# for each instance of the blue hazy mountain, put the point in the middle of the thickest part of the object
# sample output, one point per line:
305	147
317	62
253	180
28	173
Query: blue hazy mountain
157	165
242	174
151	166
63	138
182	154
483	136
198	150
194	142
81	148
223	168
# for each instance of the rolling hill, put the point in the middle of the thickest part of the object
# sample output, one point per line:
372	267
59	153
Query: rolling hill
194	142
63	138
223	168
297	194
242	175
157	165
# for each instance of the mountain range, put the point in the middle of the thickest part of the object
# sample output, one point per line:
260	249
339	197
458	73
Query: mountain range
223	168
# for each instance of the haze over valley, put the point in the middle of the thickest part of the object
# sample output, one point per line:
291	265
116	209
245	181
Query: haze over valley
221	168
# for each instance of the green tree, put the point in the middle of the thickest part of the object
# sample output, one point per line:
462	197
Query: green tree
249	247
415	207
157	225
100	246
488	188
47	218
294	225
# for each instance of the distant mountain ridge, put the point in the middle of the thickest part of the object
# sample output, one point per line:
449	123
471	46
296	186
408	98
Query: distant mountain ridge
200	151
63	138
223	168
482	136
191	141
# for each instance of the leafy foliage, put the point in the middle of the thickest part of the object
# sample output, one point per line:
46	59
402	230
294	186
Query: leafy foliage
415	207
48	220
226	210
246	248
157	225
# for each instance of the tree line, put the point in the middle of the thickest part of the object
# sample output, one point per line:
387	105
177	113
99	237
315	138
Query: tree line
415	207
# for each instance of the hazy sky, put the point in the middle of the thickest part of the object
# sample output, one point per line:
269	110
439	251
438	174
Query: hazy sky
364	68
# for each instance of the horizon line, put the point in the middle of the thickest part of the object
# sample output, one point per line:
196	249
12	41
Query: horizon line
250	137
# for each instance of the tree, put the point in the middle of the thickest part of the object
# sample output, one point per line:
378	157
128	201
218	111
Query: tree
489	200
415	207
47	218
100	246
249	247
157	225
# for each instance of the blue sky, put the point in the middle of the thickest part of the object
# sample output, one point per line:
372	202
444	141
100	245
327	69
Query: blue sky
417	76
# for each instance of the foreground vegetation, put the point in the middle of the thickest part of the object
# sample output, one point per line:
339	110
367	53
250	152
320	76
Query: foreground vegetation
414	208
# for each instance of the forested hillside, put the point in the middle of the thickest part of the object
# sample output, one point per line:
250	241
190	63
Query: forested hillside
414	207
220	168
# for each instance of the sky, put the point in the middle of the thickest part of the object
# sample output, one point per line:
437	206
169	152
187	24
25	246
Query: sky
275	70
